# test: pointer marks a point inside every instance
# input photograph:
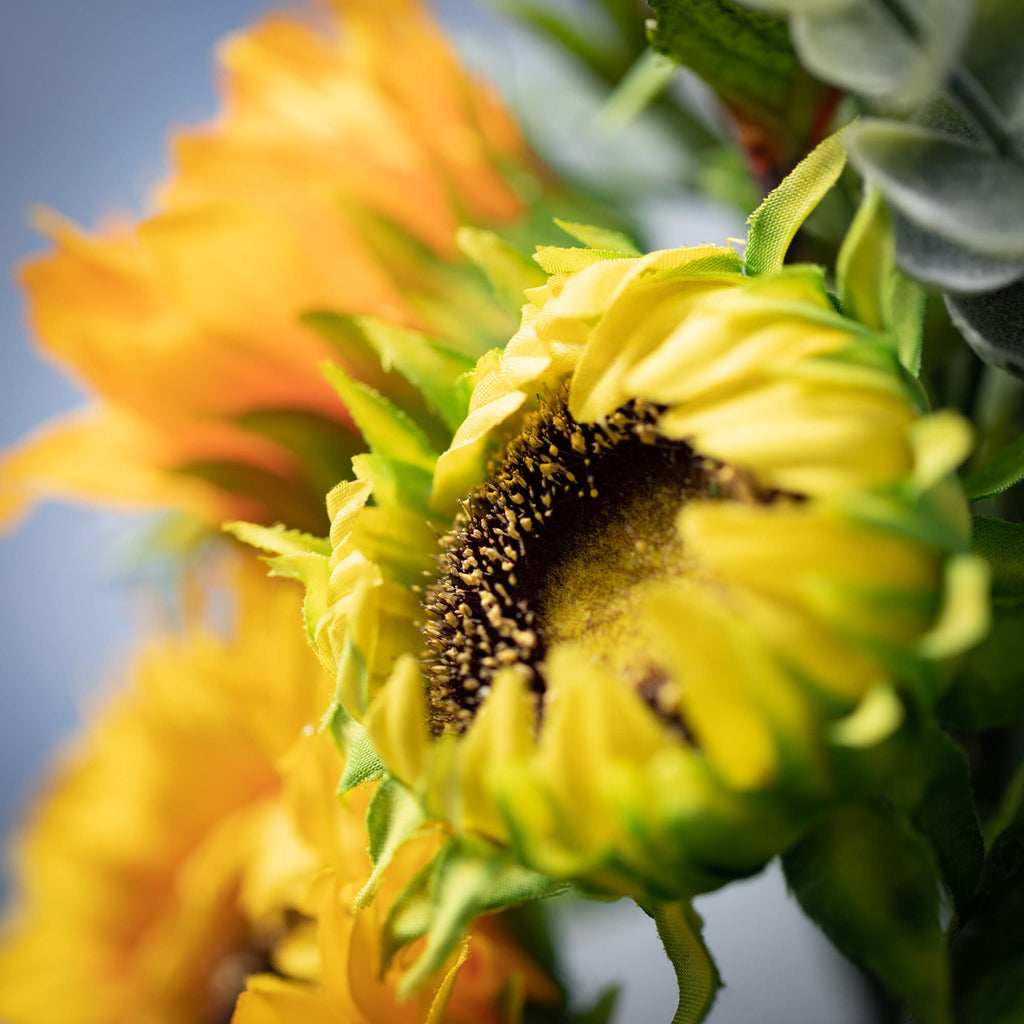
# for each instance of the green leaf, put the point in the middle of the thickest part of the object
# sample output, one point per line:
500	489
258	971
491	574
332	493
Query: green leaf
361	761
388	430
746	57
987	949
509	271
459	885
951	187
991	324
393	816
870	882
999	474
279	540
679	928
297	556
897	52
437	372
774	223
942	264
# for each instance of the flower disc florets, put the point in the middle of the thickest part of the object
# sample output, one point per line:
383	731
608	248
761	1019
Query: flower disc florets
573	519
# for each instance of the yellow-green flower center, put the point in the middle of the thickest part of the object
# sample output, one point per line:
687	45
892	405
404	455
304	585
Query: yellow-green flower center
574	521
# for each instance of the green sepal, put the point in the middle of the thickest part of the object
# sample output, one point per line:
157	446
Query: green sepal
595	237
438	372
362	764
556	259
999	474
871	288
679	928
870	882
987	949
395	484
296	555
393	816
388	430
509	270
774	223
279	540
442	901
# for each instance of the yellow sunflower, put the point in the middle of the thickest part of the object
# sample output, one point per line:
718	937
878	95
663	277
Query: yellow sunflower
333	184
697	539
164	865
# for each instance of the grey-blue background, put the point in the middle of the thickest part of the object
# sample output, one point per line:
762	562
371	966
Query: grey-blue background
88	93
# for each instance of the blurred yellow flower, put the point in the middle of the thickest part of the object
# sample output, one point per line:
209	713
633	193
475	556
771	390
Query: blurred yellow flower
163	866
335	178
713	551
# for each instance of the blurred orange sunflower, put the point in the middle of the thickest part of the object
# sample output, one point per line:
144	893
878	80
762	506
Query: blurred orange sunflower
345	159
191	841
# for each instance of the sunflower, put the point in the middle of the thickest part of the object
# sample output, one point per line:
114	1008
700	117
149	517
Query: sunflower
329	190
164	866
695	538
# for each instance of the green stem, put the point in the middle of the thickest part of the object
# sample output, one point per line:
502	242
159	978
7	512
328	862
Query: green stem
679	930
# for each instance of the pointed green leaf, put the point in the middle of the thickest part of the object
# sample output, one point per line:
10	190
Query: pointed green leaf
438	372
599	238
393	816
509	271
278	539
464	884
299	556
387	429
679	928
361	761
870	882
774	223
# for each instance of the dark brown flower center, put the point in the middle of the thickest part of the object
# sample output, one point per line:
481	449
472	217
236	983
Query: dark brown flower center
553	545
